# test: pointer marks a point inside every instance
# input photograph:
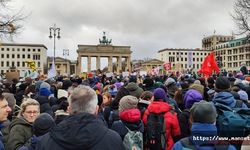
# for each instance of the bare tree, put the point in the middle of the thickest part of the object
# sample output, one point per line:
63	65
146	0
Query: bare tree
9	24
241	16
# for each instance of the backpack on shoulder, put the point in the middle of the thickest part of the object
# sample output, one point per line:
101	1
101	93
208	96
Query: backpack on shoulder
133	140
113	116
232	122
155	132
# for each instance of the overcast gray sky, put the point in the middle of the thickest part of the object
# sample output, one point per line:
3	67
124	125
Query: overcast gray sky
145	25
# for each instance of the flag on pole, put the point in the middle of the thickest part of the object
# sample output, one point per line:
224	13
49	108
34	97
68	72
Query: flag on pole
52	71
209	65
190	59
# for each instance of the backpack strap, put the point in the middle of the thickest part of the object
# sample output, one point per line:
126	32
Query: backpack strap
110	118
238	104
124	125
163	136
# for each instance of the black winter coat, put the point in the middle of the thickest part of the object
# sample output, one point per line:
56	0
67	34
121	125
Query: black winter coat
79	132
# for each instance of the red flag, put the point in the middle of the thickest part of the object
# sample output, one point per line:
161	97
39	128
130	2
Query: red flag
209	65
167	66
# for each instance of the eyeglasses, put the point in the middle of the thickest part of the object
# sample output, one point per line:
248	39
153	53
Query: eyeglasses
31	112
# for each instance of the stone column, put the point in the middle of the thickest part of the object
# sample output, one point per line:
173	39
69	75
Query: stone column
89	63
119	64
110	64
98	62
68	68
79	65
128	64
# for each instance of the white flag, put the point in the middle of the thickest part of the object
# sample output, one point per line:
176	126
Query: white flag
190	59
52	71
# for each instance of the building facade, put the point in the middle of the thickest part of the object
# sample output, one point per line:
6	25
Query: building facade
150	64
183	59
62	66
229	52
210	42
234	52
16	55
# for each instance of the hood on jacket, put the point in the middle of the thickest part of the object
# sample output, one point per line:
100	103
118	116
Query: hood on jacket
159	107
78	131
130	115
225	98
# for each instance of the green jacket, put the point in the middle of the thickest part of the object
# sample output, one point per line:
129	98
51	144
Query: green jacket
20	131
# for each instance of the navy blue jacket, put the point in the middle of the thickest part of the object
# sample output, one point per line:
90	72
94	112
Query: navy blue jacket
1	138
203	130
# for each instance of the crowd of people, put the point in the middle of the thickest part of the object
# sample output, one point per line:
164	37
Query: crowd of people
176	111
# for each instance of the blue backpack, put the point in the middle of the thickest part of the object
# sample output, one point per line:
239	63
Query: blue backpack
232	122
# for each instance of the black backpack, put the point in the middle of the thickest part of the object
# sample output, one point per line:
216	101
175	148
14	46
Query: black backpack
113	116
155	132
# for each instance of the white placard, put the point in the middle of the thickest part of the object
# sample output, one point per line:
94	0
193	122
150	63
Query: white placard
125	74
110	74
143	73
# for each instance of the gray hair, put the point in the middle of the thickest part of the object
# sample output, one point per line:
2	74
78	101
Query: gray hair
83	99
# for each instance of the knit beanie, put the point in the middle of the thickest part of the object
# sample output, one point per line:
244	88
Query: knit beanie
170	81
128	102
222	83
191	97
159	94
243	95
66	84
43	123
37	85
45	85
203	112
134	89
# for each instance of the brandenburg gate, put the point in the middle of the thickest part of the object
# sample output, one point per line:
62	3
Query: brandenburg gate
104	49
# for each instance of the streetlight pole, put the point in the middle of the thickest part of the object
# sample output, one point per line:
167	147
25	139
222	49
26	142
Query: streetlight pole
56	34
